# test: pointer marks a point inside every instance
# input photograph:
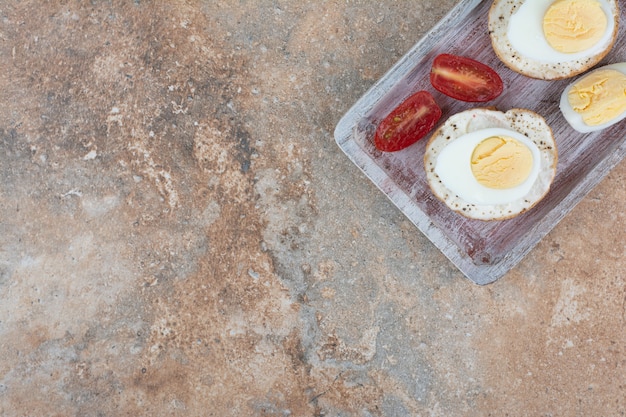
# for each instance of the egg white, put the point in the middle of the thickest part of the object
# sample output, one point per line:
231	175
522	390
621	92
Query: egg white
516	32
454	168
525	33
455	185
574	118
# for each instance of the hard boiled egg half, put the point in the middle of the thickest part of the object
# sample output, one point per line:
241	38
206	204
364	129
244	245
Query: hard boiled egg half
552	39
597	99
491	165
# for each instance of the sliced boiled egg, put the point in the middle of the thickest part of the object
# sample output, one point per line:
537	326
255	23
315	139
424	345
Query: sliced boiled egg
597	99
552	39
491	165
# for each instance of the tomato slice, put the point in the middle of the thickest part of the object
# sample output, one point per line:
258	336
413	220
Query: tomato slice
407	123
465	79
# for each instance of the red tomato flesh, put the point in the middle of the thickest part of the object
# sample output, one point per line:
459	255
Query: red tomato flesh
407	123
465	79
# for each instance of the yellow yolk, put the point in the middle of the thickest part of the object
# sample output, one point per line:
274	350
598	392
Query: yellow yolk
501	162
571	26
599	96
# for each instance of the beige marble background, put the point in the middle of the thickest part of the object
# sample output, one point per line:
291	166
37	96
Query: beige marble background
181	236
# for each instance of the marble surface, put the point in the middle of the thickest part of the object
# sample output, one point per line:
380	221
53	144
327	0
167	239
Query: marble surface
180	234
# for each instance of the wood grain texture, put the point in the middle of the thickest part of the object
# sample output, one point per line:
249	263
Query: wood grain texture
483	251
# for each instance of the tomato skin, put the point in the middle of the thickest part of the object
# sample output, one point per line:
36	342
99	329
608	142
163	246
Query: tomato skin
465	79
407	123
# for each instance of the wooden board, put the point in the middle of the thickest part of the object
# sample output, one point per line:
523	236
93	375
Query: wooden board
483	251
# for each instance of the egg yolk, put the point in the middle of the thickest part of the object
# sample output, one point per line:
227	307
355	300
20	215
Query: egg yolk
572	26
501	162
599	96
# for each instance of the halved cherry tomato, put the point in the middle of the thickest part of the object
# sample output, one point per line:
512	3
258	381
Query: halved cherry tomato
407	123
465	79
